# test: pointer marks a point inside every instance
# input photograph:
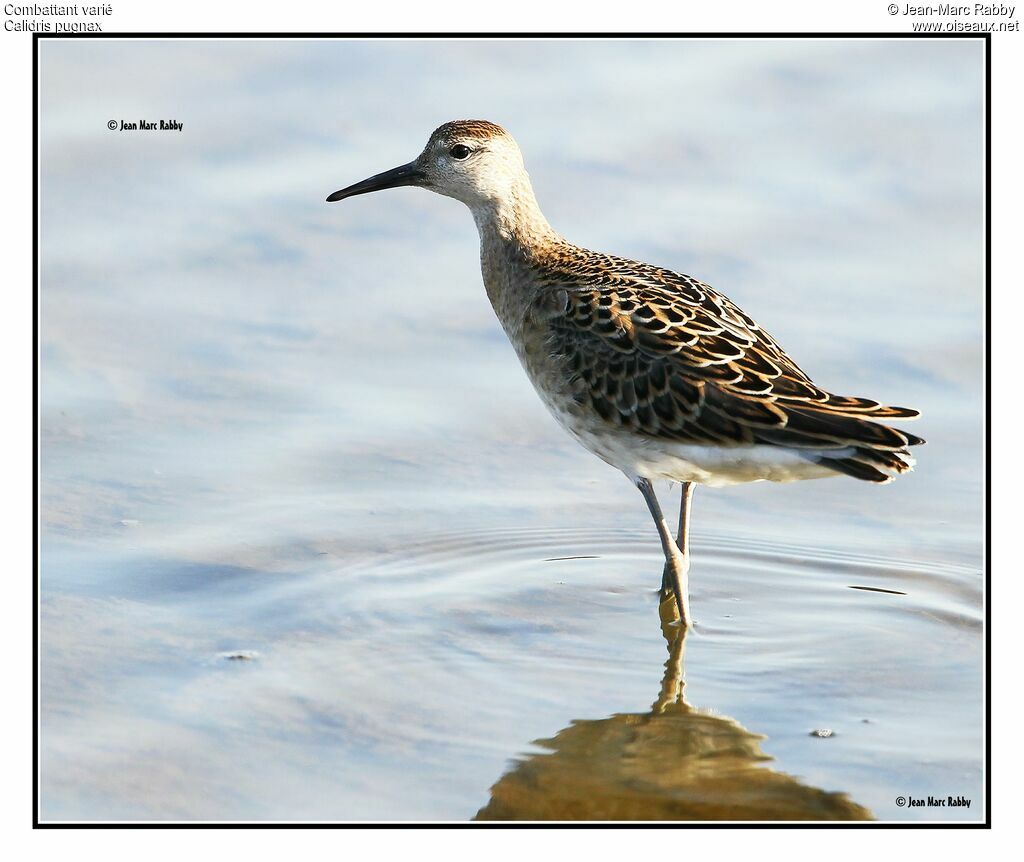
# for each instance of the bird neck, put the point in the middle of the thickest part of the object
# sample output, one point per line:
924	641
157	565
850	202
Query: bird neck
515	242
514	218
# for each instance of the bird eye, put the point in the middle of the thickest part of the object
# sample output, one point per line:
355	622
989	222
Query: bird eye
460	152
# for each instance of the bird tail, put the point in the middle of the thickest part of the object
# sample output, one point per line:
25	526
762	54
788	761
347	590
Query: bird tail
843	434
872	465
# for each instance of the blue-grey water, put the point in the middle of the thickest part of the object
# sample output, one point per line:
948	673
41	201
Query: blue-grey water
312	549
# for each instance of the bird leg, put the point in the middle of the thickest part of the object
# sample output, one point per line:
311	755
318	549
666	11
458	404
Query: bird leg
676	564
683	539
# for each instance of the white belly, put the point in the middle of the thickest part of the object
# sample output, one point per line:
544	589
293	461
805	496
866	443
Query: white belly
651	458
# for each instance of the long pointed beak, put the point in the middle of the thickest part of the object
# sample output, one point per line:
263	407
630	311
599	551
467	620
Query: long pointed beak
404	175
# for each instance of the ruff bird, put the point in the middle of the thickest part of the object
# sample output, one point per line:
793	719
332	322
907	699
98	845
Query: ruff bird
653	371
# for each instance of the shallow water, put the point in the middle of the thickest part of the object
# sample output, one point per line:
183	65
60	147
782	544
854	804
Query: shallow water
311	547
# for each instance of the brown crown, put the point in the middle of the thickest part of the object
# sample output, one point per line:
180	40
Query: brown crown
480	129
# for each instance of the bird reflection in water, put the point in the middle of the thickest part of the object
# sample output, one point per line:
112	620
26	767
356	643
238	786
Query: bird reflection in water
673	763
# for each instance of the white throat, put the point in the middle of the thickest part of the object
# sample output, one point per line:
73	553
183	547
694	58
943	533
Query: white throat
512	216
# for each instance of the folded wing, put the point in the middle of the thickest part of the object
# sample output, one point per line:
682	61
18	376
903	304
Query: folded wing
667	356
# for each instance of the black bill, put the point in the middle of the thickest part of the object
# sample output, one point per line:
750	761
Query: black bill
404	175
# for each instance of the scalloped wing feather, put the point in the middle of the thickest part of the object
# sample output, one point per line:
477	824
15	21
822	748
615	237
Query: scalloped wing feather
666	356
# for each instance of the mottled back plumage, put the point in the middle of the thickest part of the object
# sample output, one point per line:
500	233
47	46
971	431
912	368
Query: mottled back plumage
666	356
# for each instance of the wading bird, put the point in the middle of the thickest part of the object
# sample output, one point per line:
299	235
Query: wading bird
651	370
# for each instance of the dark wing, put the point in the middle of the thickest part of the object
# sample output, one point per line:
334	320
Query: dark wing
679	361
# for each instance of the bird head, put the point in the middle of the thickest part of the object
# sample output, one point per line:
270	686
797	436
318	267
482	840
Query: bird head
473	161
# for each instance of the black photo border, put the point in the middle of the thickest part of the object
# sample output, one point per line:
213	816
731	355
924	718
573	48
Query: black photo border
271	824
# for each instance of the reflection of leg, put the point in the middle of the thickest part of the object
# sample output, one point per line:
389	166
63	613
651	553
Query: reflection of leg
674	681
676	564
